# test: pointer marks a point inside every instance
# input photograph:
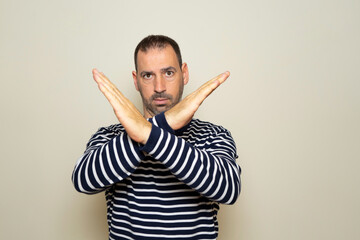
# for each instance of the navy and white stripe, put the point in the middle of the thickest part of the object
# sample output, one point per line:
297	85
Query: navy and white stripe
169	188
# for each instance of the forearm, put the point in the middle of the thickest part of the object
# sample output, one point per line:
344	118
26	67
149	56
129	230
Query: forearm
212	171
105	162
108	158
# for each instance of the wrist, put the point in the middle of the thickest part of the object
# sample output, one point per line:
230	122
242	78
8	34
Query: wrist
153	139
146	132
161	121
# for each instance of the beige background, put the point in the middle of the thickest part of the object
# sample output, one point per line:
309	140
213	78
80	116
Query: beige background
292	104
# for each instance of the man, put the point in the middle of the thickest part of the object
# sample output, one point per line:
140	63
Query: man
164	172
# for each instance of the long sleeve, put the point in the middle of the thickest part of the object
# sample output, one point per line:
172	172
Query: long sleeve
110	157
207	165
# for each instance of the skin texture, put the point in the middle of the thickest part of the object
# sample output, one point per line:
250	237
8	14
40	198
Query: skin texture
160	91
159	79
136	126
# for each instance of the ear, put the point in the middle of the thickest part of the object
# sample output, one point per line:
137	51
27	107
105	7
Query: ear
134	75
185	73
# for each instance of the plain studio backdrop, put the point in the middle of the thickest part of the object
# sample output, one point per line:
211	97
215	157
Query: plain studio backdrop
292	104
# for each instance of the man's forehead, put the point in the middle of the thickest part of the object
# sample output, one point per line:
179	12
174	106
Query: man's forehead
157	57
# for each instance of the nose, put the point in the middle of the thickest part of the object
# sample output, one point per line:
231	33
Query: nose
160	84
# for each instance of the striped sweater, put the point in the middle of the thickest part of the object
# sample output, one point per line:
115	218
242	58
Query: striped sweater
169	188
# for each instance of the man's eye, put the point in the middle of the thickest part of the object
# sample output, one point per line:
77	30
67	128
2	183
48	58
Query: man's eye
147	76
169	73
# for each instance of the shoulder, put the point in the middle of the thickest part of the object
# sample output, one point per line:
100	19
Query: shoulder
200	132
105	134
114	128
210	136
207	127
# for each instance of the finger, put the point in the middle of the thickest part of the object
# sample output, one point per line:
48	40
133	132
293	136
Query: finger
206	89
222	77
113	100
101	78
96	75
102	84
107	88
120	104
112	93
214	82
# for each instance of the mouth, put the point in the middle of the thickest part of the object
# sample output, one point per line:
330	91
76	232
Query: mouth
161	101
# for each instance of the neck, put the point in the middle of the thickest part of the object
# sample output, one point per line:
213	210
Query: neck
147	114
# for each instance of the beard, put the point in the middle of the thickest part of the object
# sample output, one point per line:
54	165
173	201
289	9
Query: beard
155	109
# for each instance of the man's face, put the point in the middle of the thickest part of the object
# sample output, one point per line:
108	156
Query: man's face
159	79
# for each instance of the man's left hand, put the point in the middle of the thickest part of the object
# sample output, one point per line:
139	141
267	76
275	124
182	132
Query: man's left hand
182	113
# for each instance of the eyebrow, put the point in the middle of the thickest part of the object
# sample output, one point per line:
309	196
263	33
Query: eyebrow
168	69
146	72
162	70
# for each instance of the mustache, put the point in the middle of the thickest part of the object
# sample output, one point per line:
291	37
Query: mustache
160	95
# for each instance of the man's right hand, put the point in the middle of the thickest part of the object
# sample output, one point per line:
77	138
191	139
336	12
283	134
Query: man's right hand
182	113
136	126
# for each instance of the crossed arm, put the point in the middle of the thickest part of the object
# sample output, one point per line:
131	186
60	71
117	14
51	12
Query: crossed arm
136	126
111	157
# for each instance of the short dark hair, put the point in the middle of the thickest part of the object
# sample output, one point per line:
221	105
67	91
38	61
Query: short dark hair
157	41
